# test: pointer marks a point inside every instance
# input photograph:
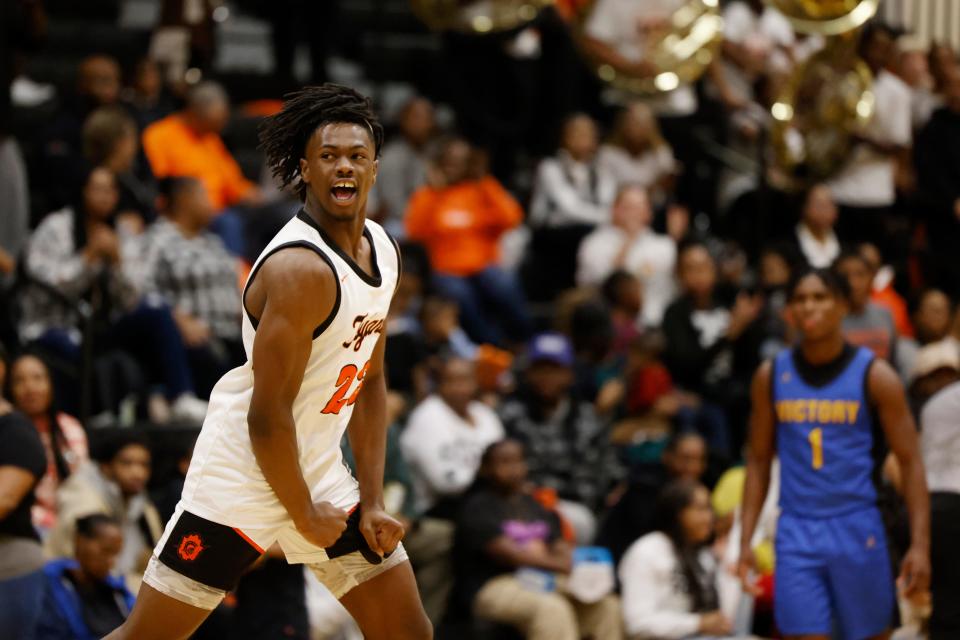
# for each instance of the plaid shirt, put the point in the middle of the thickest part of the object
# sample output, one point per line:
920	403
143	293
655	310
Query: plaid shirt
53	262
194	275
569	451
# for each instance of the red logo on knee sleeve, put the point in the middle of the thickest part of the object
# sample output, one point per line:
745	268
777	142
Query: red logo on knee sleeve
190	547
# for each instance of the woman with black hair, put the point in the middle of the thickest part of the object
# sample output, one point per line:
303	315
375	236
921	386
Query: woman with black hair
79	257
63	437
668	577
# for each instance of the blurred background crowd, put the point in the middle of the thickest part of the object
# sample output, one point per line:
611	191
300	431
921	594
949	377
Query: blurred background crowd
590	279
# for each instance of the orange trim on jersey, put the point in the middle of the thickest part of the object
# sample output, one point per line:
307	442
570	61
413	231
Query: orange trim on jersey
247	538
352	509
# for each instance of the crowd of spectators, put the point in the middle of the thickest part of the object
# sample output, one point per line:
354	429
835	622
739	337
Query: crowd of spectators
569	349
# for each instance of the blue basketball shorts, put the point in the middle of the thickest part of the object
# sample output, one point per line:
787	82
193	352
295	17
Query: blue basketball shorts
833	573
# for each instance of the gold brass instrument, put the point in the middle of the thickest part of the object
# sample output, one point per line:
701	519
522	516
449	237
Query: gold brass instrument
678	53
827	100
477	16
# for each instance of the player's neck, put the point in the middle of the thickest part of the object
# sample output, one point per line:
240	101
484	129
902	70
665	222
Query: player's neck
346	234
818	352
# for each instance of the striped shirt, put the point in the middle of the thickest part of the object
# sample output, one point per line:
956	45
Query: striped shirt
194	275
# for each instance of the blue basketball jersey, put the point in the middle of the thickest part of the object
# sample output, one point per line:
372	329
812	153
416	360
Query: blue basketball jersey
825	440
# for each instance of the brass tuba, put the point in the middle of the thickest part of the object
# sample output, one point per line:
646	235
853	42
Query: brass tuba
674	54
827	99
477	16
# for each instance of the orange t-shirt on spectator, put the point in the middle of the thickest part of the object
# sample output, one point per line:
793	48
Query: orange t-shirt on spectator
173	149
897	306
461	225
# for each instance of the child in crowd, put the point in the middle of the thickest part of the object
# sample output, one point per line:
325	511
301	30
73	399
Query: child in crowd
82	600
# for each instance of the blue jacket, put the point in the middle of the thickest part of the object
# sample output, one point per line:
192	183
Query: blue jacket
62	617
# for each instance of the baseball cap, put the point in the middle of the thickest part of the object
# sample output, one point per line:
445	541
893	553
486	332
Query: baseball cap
551	347
938	355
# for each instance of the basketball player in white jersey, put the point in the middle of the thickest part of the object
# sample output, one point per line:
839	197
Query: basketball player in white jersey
267	466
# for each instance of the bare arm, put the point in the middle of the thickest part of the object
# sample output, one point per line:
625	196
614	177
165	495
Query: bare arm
607	54
281	349
886	392
15	483
555	558
368	439
368	431
759	458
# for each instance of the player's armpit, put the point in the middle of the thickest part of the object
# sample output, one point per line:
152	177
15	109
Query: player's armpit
293	293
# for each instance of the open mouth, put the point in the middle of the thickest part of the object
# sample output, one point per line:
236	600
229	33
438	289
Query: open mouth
344	191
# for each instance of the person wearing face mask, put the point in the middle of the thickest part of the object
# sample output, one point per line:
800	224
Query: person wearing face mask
64	439
572	195
669	576
82	600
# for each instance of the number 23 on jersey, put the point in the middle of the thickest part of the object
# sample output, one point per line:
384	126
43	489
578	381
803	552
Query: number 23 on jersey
348	374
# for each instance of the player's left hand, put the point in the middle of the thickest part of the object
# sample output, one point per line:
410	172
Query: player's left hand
914	572
382	532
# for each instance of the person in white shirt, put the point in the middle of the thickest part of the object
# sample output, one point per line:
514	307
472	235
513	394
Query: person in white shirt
814	234
618	33
629	243
865	187
937	377
914	69
445	437
636	152
571	196
668	577
757	39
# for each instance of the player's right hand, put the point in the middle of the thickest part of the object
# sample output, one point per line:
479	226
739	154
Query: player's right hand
715	624
746	571
323	525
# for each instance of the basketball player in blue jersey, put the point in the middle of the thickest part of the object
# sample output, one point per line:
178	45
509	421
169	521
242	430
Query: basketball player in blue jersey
828	410
267	468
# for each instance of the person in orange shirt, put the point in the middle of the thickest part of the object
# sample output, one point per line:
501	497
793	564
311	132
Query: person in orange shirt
459	217
188	144
883	293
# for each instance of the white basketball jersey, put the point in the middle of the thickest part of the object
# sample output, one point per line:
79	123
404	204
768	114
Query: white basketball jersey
225	483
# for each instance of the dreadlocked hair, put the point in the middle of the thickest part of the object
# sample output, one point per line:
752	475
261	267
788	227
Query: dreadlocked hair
284	136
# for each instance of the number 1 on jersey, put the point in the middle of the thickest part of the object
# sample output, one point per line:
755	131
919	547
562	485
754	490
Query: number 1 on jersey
345	380
816	445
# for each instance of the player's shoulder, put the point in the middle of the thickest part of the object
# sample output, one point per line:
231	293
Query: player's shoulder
287	263
882	379
764	371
